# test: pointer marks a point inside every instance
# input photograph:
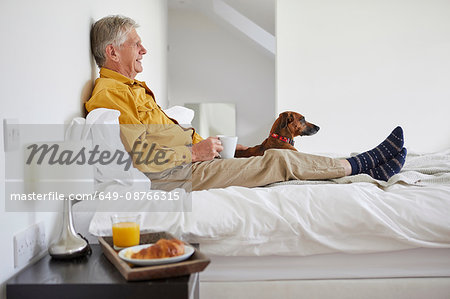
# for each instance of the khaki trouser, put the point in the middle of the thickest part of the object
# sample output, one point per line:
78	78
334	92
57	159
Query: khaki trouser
275	166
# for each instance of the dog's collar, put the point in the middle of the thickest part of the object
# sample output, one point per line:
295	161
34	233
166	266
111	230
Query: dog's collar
285	139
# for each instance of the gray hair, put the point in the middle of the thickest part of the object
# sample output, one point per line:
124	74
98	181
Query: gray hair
109	30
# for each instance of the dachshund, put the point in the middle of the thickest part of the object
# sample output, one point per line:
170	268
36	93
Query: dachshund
288	125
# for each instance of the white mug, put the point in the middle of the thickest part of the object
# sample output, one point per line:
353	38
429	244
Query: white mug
229	146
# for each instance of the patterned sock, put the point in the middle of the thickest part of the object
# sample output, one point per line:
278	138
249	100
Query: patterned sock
381	154
388	169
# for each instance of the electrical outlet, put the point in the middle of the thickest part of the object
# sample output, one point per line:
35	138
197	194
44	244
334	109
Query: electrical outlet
28	244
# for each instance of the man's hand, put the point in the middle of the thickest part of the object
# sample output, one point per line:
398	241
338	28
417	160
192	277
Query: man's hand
206	149
240	147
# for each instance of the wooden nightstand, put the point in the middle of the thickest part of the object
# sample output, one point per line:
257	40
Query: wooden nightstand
92	277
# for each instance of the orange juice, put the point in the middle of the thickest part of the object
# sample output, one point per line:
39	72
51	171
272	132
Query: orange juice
125	234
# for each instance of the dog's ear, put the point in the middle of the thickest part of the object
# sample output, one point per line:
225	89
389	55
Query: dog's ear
286	118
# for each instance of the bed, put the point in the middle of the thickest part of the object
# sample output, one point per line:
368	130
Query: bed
346	238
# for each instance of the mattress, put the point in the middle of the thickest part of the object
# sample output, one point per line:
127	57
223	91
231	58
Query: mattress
386	288
419	262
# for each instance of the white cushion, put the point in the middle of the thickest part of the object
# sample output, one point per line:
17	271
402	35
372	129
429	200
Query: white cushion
102	127
183	115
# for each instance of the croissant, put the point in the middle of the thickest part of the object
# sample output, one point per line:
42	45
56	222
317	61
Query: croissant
162	249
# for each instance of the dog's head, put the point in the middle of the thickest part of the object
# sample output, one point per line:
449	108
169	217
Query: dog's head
291	124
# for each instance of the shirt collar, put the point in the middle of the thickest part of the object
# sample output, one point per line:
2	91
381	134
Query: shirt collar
107	73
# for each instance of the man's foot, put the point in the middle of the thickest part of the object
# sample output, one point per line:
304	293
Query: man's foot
385	171
381	154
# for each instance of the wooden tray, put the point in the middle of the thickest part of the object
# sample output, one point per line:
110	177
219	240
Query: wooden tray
196	263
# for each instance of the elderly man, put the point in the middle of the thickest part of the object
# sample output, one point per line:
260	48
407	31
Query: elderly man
175	152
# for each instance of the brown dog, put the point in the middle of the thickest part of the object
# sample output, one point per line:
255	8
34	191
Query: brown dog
288	125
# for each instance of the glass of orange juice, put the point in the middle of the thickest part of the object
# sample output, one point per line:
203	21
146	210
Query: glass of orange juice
125	230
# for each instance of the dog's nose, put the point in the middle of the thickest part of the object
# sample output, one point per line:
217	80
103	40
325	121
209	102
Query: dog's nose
317	128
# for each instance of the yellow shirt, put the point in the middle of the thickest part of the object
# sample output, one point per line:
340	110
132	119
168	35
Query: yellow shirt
155	141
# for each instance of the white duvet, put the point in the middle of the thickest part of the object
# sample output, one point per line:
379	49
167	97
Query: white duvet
305	218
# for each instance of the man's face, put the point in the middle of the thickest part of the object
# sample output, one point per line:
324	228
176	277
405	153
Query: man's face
130	55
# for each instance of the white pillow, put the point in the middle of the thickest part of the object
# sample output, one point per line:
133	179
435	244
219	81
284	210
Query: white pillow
102	127
182	115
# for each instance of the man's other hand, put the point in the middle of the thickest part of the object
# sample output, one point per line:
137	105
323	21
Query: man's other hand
206	149
240	147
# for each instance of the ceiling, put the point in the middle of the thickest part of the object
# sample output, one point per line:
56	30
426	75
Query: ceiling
261	12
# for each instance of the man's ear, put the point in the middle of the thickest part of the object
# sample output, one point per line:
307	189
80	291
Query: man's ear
111	53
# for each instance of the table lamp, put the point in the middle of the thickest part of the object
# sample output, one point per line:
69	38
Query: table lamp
58	168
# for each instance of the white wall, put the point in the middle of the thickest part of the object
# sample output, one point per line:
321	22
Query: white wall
358	68
47	72
209	62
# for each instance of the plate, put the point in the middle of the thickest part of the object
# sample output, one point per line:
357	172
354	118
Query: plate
188	251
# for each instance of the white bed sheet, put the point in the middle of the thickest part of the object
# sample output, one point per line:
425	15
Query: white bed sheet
410	211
